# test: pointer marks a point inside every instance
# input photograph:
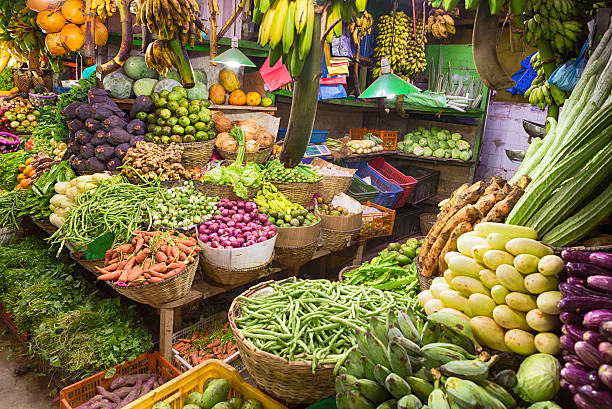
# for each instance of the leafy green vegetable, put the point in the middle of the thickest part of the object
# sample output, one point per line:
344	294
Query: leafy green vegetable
538	378
6	79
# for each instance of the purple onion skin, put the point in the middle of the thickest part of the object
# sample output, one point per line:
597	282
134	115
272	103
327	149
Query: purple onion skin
593	318
576	332
604	373
592	337
598	397
585	270
605	329
575	256
605	350
574	375
588	354
571	318
602	260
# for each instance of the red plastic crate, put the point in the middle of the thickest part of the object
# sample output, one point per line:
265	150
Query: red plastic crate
407	183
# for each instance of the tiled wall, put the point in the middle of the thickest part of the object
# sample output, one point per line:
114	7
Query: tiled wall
504	130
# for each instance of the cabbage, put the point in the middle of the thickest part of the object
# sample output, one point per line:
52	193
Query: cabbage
418	150
465	155
439	153
463	145
444	144
545	405
456	136
427	151
538	378
451	143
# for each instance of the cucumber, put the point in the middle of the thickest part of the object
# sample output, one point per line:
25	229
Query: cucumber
508	230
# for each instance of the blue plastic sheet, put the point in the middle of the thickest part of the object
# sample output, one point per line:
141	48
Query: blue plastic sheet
523	77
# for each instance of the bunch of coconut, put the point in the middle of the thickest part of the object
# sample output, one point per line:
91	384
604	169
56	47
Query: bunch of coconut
64	23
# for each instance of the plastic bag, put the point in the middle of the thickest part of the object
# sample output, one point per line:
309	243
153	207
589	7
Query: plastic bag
566	76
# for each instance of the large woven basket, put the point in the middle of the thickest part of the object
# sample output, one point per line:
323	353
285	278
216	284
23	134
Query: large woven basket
160	293
300	193
255	157
336	240
344	271
289	257
6	235
89	265
288	381
424	282
330	186
298	236
223	191
224	276
197	154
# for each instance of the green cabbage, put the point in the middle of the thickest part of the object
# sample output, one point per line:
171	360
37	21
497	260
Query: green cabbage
456	136
439	153
451	143
466	155
538	378
455	153
545	405
443	144
427	151
463	145
441	136
419	150
409	148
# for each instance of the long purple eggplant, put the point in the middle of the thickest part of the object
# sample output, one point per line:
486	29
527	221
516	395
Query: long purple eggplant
583	403
576	332
585	270
605	375
574	375
569	290
594	381
593	338
575	360
576	281
602	260
575	256
584	304
600	283
567	344
594	318
588	354
598	397
605	351
567	385
605	329
571	318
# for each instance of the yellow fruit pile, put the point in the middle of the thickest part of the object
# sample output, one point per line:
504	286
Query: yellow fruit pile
506	283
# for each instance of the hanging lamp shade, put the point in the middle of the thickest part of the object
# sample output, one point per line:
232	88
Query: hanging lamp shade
388	85
233	57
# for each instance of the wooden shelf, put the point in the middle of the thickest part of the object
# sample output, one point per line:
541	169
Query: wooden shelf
244	108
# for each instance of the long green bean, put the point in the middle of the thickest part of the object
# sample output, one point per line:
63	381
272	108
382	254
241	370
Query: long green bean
313	320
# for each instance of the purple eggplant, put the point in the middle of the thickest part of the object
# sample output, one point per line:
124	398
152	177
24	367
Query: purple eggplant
592	337
585	270
604	373
598	397
605	329
593	318
571	318
574	375
567	385
588	354
575	256
574	360
576	332
602	260
576	281
594	381
600	283
605	351
583	403
567	344
569	290
584	304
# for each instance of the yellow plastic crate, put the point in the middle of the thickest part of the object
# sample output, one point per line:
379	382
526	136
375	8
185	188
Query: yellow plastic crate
175	391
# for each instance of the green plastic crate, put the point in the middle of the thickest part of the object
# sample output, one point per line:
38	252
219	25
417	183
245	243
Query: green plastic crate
328	403
361	191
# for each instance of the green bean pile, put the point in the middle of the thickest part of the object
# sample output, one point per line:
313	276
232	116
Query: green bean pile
313	320
115	206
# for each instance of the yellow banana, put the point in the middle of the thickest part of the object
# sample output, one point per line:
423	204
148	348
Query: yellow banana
301	15
280	14
305	42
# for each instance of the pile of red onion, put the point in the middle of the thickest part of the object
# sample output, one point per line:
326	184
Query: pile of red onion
237	224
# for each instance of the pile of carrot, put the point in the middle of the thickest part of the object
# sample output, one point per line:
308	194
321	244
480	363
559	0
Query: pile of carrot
150	257
216	343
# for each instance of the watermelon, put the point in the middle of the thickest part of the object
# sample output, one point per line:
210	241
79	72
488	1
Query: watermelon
136	68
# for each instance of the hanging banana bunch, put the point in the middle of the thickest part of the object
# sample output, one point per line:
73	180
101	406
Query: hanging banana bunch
360	27
19	33
540	93
103	8
288	27
441	24
396	42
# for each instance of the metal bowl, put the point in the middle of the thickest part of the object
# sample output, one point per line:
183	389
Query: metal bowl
515	156
534	130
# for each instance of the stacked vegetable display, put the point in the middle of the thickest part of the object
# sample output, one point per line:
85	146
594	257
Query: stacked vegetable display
507	283
123	390
281	211
150	257
364	146
331	210
99	134
215	342
183	206
436	142
393	269
20	115
237	224
586	312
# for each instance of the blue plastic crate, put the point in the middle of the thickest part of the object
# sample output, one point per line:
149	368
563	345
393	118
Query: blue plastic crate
60	90
317	136
388	193
307	161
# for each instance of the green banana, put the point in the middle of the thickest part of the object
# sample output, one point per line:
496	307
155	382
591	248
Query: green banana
275	54
360	5
491	402
381	373
410	347
437	400
506	379
416	362
390	404
452	347
408	327
460	392
424	374
354	368
436	357
392	319
459	325
264	5
305	41
420	387
301	15
337	14
499	393
474	370
452	337
289	29
379	329
409	402
372	390
376	350
397	386
278	23
358	401
430	333
398	358
393	331
343	385
368	368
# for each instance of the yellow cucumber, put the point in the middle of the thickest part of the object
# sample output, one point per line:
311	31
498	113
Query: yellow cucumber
466	243
537	283
488	333
510	278
465	266
479	251
497	241
481	304
547	343
436	289
449	255
485	228
548	302
526	263
521	302
494	258
550	265
542	322
527	246
499	293
508	318
424	296
468	286
453	299
488	278
520	342
449	275
433	305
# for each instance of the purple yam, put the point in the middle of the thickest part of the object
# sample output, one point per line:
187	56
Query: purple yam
113	122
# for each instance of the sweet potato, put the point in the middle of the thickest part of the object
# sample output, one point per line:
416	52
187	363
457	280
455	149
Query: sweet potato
108	395
127	380
501	209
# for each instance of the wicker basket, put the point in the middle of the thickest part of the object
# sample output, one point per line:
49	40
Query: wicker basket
224	191
224	276
22	80
295	237
89	265
6	235
255	157
39	101
336	240
330	186
424	282
295	256
300	193
160	293
344	271
288	381
197	154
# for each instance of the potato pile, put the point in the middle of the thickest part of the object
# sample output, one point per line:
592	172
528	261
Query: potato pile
467	206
